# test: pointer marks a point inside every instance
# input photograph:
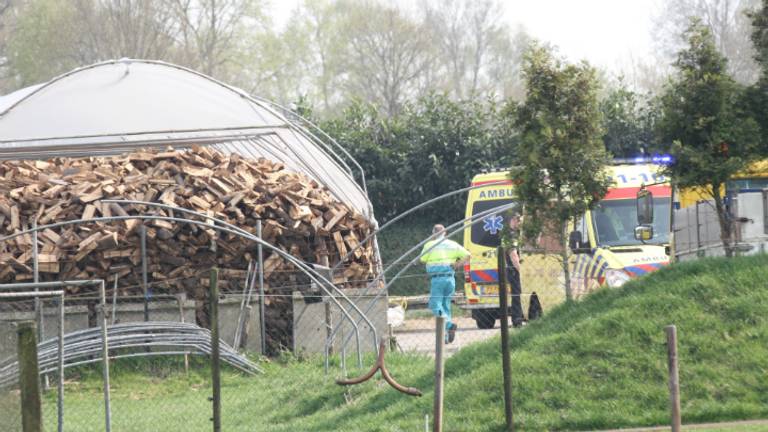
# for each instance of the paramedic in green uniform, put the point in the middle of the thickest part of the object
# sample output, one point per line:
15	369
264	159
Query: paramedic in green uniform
441	255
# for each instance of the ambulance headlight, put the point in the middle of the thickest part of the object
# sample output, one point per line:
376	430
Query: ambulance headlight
616	277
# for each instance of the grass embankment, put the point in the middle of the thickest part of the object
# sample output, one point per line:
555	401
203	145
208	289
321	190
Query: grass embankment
596	364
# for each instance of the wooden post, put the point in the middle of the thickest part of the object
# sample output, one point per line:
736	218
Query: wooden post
29	378
215	353
504	321
437	425
674	378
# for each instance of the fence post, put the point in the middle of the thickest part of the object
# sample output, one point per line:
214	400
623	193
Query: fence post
504	324
439	373
180	298
105	357
144	283
674	378
262	306
29	378
60	402
215	354
39	313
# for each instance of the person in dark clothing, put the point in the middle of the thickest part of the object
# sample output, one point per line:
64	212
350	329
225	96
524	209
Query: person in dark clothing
513	272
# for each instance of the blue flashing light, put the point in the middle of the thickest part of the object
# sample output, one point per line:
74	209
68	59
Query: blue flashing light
662	159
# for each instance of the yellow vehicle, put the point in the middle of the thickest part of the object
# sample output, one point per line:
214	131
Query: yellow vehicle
753	179
481	289
605	246
603	242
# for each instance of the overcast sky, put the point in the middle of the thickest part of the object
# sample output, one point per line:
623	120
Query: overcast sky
607	33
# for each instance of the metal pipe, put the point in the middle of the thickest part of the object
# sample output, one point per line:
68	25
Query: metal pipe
144	271
247	311
60	402
52	284
87	344
227	227
39	315
480	217
36	279
27	294
472	219
262	306
114	300
180	299
215	353
247	282
406	213
105	358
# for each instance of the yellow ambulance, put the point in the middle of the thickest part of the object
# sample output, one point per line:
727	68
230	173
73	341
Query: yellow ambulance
605	251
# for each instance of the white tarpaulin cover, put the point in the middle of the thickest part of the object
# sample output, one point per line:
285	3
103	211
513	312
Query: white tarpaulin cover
112	107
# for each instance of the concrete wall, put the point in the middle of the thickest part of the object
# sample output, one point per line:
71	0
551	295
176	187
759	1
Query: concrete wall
311	328
75	318
229	311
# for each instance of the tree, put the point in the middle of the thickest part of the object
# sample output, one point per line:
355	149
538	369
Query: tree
5	18
758	94
435	145
211	32
628	119
704	116
49	37
561	152
476	52
389	53
727	22
759	36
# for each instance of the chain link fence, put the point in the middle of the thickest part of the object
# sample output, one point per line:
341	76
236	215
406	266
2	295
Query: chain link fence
45	312
161	348
10	396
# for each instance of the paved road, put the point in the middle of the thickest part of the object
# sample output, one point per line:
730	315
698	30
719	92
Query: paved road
418	335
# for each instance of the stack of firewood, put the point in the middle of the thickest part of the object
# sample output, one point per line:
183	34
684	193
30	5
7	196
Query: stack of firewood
299	216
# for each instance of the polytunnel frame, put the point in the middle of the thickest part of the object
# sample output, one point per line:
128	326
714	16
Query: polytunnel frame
315	276
105	339
258	101
283	253
377	230
479	218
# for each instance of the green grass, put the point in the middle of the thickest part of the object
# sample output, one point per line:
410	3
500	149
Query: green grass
596	364
745	428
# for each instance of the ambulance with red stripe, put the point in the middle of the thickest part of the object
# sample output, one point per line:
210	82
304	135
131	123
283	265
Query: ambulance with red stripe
605	251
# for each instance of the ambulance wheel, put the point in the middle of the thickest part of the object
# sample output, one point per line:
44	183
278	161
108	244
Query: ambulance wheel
484	319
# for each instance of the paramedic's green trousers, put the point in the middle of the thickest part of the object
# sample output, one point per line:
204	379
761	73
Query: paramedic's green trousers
440	294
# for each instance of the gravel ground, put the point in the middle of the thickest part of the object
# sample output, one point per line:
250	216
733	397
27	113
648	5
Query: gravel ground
418	335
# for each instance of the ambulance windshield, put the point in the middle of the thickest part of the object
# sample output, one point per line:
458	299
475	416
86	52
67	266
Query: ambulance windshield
488	232
615	222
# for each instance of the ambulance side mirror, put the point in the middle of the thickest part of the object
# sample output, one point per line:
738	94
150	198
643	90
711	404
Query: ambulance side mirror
644	207
576	242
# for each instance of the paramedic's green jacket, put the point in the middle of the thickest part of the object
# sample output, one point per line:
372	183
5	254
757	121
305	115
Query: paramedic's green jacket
440	258
439	261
